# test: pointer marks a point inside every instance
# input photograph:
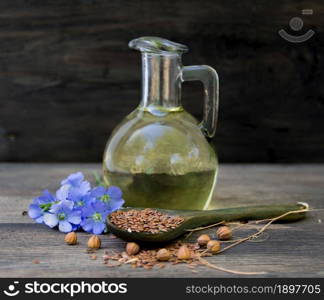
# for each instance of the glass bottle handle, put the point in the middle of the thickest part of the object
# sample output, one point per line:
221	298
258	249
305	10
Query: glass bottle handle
209	77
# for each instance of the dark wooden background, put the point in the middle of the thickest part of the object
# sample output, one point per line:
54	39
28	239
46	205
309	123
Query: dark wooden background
67	76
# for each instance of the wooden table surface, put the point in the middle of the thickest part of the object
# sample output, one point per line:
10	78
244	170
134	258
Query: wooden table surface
286	250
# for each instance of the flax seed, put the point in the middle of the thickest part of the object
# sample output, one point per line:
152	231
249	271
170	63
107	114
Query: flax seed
145	220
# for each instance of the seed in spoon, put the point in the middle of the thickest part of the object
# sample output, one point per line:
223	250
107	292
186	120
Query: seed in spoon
144	220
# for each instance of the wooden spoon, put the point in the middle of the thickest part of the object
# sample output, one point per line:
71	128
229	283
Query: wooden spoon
194	219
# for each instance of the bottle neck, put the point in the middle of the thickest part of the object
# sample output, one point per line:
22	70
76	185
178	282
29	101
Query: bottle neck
161	81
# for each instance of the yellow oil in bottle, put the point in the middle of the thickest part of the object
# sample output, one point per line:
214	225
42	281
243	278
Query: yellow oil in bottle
161	161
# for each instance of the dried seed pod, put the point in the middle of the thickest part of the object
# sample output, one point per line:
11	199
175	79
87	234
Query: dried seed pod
71	238
213	246
163	255
224	233
203	239
94	242
132	248
184	252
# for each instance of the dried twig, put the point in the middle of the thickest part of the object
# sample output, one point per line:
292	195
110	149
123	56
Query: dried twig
254	235
208	264
187	235
205	227
238	226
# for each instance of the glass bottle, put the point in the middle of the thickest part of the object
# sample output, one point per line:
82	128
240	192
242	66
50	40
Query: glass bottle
159	155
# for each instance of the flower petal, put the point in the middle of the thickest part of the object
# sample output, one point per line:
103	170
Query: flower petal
87	211
114	192
73	179
105	214
63	192
87	225
77	192
115	204
84	187
46	197
34	211
39	220
67	206
74	217
56	207
50	220
87	199
99	206
74	194
98	227
98	191
65	226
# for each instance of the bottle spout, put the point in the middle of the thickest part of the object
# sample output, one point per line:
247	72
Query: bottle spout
161	72
157	45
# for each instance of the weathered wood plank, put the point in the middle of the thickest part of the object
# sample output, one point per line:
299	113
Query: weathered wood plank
65	65
293	250
286	250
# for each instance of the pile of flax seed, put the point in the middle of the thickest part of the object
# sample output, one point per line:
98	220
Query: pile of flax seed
147	259
145	220
151	221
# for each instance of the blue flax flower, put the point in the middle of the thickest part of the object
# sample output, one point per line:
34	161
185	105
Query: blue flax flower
94	217
40	205
63	215
74	179
75	188
101	202
75	204
111	197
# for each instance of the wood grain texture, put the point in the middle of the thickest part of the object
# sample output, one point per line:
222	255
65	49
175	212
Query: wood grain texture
67	77
286	250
